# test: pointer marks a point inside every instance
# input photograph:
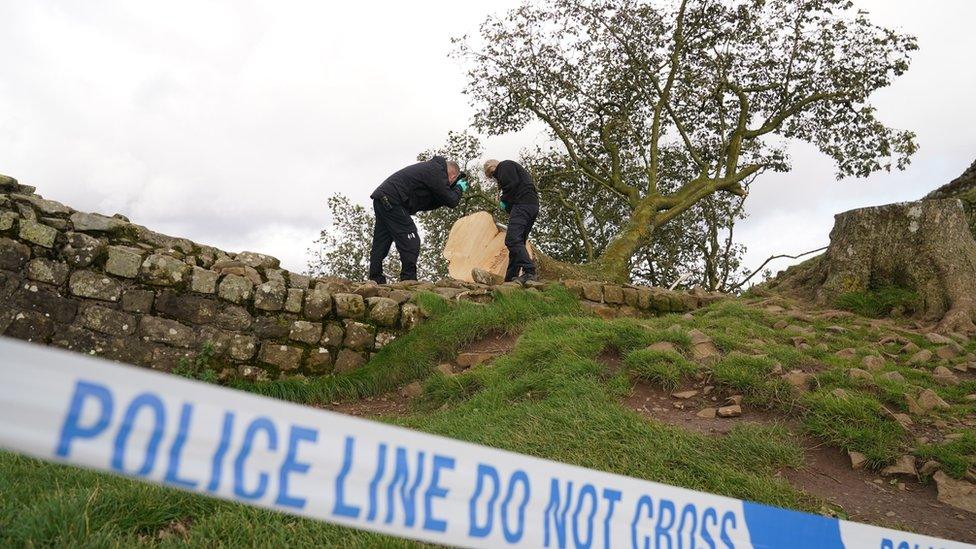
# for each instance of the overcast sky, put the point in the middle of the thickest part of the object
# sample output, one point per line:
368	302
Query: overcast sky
231	122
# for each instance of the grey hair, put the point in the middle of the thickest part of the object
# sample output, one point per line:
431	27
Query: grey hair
453	164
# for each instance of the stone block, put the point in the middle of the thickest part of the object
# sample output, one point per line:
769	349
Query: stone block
80	340
270	296
359	336
91	222
383	311
39	234
13	254
332	335
410	315
123	261
318	303
234	317
284	357
189	308
95	286
30	326
164	270
258	261
383	339
81	250
306	332
593	291
242	347
47	302
348	360
7	220
319	360
236	289
138	301
203	281
271	327
613	294
108	321
630	297
166	331
294	299
298	281
47	271
349	305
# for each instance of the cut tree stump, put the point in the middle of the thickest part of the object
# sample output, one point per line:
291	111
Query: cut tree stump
476	241
924	246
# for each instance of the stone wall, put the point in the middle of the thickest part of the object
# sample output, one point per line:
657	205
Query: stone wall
104	286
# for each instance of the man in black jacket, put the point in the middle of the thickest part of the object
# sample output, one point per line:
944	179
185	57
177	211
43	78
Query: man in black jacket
520	199
417	188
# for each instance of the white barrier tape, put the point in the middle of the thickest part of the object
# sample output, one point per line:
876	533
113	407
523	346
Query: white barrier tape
159	428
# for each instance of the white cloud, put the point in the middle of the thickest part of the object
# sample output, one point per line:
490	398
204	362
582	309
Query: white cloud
231	122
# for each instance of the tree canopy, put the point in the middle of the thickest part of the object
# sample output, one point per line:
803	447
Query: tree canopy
660	105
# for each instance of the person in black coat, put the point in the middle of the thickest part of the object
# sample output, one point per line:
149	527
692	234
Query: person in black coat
520	199
417	188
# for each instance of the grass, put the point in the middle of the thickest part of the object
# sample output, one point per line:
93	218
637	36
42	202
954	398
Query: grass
552	396
879	302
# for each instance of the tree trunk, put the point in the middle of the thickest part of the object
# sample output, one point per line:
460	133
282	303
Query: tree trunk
922	246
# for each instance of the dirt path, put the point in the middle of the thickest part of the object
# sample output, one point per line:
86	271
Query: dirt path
864	496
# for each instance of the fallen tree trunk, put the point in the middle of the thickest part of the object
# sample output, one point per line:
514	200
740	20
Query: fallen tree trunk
923	246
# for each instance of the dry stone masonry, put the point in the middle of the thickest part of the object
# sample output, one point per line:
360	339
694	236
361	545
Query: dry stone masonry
105	286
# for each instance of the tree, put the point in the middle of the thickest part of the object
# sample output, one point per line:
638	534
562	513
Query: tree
342	250
660	105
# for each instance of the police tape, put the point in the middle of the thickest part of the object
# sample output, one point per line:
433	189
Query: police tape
159	428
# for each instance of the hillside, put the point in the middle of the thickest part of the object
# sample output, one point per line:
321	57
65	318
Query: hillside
806	393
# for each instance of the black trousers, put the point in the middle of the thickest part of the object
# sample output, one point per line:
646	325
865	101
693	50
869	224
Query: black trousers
521	219
393	225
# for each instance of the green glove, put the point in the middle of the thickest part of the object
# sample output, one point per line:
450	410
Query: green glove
463	183
503	205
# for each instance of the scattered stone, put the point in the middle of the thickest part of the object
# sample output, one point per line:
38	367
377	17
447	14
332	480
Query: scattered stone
955	493
937	339
905	465
846	354
921	357
799	379
734	399
383	339
903	419
893	376
873	363
412	390
928	400
944	376
684	395
467	360
839	392
662	346
946	352
702	348
730	411
707	413
410	315
858	460
910	348
235	288
857	373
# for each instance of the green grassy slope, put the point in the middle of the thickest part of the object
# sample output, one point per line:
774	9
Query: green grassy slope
551	397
